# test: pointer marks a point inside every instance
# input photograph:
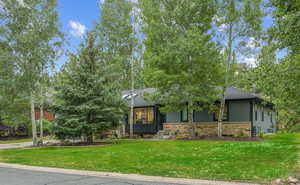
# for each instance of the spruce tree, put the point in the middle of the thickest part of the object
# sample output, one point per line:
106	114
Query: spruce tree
88	97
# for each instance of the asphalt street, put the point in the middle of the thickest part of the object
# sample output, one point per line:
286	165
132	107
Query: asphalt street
12	176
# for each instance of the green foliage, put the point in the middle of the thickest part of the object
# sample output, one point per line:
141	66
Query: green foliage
117	39
278	78
88	98
29	39
286	29
260	162
47	125
180	59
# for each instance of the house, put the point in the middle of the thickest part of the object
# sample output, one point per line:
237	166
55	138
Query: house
245	115
47	115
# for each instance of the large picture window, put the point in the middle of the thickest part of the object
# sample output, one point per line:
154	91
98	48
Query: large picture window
144	115
225	113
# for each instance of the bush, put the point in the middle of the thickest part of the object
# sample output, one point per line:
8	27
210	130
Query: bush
46	126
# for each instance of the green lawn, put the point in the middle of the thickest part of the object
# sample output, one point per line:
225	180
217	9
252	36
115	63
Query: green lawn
223	160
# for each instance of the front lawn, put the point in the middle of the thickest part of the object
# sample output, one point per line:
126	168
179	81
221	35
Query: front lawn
223	160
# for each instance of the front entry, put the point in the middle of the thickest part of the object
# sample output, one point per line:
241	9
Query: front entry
145	121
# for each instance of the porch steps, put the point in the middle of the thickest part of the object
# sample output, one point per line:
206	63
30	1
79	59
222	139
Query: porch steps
162	135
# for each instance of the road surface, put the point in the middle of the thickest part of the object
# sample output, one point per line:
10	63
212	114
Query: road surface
12	176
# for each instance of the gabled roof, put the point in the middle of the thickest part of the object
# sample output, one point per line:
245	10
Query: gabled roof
232	93
138	95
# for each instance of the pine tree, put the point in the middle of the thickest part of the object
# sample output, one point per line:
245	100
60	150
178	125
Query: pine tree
88	98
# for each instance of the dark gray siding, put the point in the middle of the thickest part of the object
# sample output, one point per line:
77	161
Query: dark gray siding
266	125
203	116
173	117
239	111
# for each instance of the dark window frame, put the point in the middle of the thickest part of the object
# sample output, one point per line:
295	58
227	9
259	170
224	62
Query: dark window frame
263	115
148	107
255	115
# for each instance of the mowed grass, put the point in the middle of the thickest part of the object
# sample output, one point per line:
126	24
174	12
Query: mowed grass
276	157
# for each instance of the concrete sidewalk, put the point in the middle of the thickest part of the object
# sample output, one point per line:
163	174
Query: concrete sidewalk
15	145
104	176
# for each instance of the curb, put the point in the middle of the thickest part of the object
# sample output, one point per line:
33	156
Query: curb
135	177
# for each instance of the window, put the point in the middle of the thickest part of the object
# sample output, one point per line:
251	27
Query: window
225	113
184	114
262	115
144	115
255	115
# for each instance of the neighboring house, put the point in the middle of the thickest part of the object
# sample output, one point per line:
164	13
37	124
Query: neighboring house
245	115
49	116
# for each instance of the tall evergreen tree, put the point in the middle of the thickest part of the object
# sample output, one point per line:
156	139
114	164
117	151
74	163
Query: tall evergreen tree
88	98
181	60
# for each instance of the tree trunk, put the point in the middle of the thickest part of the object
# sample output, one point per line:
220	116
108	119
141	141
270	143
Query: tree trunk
33	123
228	62
124	129
41	121
131	118
191	118
89	138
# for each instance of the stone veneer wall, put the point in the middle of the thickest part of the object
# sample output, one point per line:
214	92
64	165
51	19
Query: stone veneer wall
185	130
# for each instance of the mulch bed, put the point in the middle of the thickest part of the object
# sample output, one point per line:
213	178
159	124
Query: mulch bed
78	144
71	144
14	138
227	138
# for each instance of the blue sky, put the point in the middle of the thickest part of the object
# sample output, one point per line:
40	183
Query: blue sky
76	17
79	16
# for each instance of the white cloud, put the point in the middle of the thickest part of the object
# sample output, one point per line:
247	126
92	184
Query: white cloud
251	43
219	22
21	3
2	4
77	29
251	61
101	2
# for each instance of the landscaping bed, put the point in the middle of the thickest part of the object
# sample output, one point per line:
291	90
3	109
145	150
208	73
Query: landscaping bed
63	144
264	161
228	138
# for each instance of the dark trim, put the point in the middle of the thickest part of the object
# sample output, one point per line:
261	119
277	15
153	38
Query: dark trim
143	106
243	99
154	114
255	115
